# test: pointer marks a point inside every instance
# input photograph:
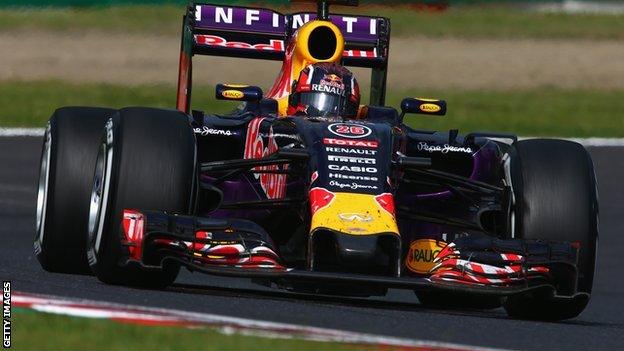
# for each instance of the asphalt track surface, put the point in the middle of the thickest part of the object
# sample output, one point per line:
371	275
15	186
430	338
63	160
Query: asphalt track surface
399	314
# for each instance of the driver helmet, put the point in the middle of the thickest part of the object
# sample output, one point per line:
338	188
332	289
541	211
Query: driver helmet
325	90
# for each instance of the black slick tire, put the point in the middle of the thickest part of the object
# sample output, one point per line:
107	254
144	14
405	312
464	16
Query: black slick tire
68	157
147	163
555	199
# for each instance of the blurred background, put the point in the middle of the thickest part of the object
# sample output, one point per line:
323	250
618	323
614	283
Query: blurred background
536	68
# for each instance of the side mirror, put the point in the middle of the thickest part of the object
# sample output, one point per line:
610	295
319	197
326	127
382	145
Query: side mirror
233	92
423	106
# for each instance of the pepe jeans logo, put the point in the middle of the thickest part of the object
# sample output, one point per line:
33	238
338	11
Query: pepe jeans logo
352	186
205	131
445	149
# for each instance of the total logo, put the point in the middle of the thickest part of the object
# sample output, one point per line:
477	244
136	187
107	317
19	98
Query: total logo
345	142
352	131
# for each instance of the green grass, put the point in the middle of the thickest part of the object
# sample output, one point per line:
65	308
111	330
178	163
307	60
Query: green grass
469	22
539	112
47	332
503	22
30	104
165	19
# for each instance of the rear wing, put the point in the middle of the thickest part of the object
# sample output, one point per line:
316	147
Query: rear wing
258	33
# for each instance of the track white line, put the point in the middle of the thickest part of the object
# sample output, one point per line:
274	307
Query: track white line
592	141
21	132
588	142
227	325
580	7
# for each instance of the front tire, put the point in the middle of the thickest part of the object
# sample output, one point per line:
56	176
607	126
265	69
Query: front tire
556	200
146	161
68	156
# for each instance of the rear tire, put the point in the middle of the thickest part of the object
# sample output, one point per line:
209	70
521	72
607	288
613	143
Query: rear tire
555	199
146	162
68	157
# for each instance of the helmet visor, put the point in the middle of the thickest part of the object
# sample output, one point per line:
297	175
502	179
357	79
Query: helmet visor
322	104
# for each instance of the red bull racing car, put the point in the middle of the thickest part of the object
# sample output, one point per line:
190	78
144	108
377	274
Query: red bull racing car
304	189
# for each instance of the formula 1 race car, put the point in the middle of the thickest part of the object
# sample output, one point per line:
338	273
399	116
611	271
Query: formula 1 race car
316	204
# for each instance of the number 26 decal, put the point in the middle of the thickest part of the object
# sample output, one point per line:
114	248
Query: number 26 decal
350	130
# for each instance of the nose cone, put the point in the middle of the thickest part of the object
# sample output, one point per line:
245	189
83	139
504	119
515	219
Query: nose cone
356	249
